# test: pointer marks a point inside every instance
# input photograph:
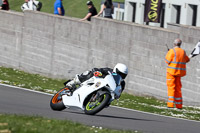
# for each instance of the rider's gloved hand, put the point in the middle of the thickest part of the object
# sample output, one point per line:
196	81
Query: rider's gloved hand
97	74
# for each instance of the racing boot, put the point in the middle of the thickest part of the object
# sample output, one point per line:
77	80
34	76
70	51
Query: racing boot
65	92
71	84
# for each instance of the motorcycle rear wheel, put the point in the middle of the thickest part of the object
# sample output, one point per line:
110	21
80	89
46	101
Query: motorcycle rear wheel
93	107
56	102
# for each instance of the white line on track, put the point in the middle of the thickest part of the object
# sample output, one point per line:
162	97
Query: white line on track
27	89
110	106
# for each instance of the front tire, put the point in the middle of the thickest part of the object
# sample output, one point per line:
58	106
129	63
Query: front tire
94	106
56	102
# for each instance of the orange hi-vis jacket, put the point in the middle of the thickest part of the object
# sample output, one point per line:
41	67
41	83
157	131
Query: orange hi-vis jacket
176	59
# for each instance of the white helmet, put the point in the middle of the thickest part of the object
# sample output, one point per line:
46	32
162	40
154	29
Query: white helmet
121	69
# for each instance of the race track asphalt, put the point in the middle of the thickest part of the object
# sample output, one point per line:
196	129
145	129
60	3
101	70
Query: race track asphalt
15	100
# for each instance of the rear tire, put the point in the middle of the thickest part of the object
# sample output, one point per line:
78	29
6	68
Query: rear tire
99	104
56	103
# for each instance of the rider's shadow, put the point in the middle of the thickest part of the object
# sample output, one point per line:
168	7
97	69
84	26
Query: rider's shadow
121	117
78	112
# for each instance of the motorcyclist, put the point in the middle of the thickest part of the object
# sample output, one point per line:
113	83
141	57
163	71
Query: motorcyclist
120	69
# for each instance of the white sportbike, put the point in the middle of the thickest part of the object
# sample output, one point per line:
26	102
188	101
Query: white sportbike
91	96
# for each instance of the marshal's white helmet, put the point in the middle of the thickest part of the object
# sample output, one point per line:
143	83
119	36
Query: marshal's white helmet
121	69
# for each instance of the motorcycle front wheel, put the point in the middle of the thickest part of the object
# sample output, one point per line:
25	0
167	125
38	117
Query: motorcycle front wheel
96	103
56	102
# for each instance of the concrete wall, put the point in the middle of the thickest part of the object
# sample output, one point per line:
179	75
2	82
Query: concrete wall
11	26
62	47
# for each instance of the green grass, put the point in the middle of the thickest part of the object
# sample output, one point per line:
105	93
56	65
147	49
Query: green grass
33	81
34	124
73	8
147	104
153	105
